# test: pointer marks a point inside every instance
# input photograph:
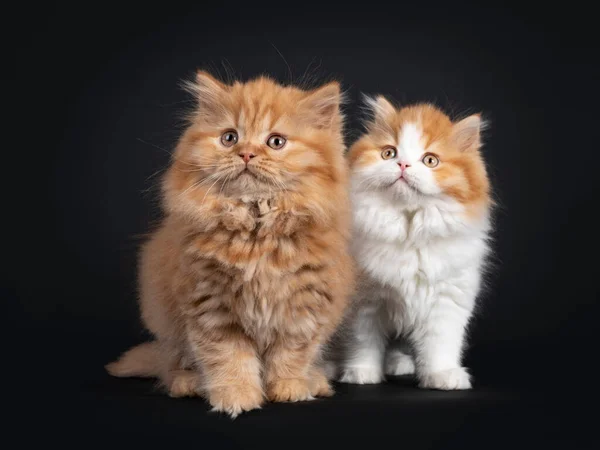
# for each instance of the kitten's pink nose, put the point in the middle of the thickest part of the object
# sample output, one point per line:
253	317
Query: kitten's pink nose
403	166
246	156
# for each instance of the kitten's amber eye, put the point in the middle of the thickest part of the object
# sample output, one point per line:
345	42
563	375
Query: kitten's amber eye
430	160
229	138
276	142
388	153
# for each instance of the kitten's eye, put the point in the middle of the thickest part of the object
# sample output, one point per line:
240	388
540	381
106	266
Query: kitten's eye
229	138
430	160
388	153
276	142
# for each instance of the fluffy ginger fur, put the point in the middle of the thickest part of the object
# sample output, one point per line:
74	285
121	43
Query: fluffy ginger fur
420	242
249	273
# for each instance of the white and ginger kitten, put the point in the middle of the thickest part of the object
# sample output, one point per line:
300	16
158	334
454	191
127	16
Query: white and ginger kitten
421	202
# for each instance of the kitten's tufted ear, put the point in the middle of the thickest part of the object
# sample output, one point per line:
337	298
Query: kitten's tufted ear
321	106
466	134
208	91
380	107
382	112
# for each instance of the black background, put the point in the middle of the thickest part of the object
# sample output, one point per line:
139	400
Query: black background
96	110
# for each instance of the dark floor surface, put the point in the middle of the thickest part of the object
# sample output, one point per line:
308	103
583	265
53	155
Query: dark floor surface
521	399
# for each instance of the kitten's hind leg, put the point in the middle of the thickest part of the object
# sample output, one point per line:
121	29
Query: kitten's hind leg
179	377
318	384
183	383
331	369
365	350
398	360
158	360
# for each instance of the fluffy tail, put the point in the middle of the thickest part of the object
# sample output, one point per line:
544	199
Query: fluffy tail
140	361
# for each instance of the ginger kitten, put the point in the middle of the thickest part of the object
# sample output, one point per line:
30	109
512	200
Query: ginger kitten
421	203
249	273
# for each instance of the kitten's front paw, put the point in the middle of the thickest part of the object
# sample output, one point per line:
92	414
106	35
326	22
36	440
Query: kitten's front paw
362	375
398	363
235	399
289	390
446	380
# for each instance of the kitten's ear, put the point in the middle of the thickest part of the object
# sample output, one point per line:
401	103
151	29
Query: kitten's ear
321	107
381	110
207	90
208	83
466	134
380	107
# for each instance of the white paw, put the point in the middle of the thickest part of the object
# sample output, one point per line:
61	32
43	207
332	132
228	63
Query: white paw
446	380
361	375
398	363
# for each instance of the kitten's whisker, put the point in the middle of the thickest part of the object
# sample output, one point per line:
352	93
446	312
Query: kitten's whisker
208	190
171	154
155	174
200	182
369	180
154	145
187	162
271	175
193	186
200	168
268	175
281	186
226	181
285	61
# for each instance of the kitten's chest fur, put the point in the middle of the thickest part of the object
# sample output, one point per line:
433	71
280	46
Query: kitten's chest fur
253	279
249	291
420	251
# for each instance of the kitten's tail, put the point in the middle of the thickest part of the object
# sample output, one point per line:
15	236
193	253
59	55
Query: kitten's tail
140	361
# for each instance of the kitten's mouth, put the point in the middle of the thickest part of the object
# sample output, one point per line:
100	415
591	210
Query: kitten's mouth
246	171
402	180
255	173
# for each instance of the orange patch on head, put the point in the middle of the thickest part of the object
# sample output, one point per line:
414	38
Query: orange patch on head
461	173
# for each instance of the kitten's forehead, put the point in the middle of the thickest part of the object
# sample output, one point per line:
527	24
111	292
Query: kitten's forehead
251	121
262	105
426	120
413	130
410	140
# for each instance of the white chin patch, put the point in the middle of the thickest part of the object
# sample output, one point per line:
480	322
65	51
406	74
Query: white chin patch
403	187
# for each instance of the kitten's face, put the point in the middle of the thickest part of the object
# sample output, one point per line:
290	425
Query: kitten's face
417	153
259	138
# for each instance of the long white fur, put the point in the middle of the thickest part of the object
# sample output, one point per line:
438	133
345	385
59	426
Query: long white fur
421	259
